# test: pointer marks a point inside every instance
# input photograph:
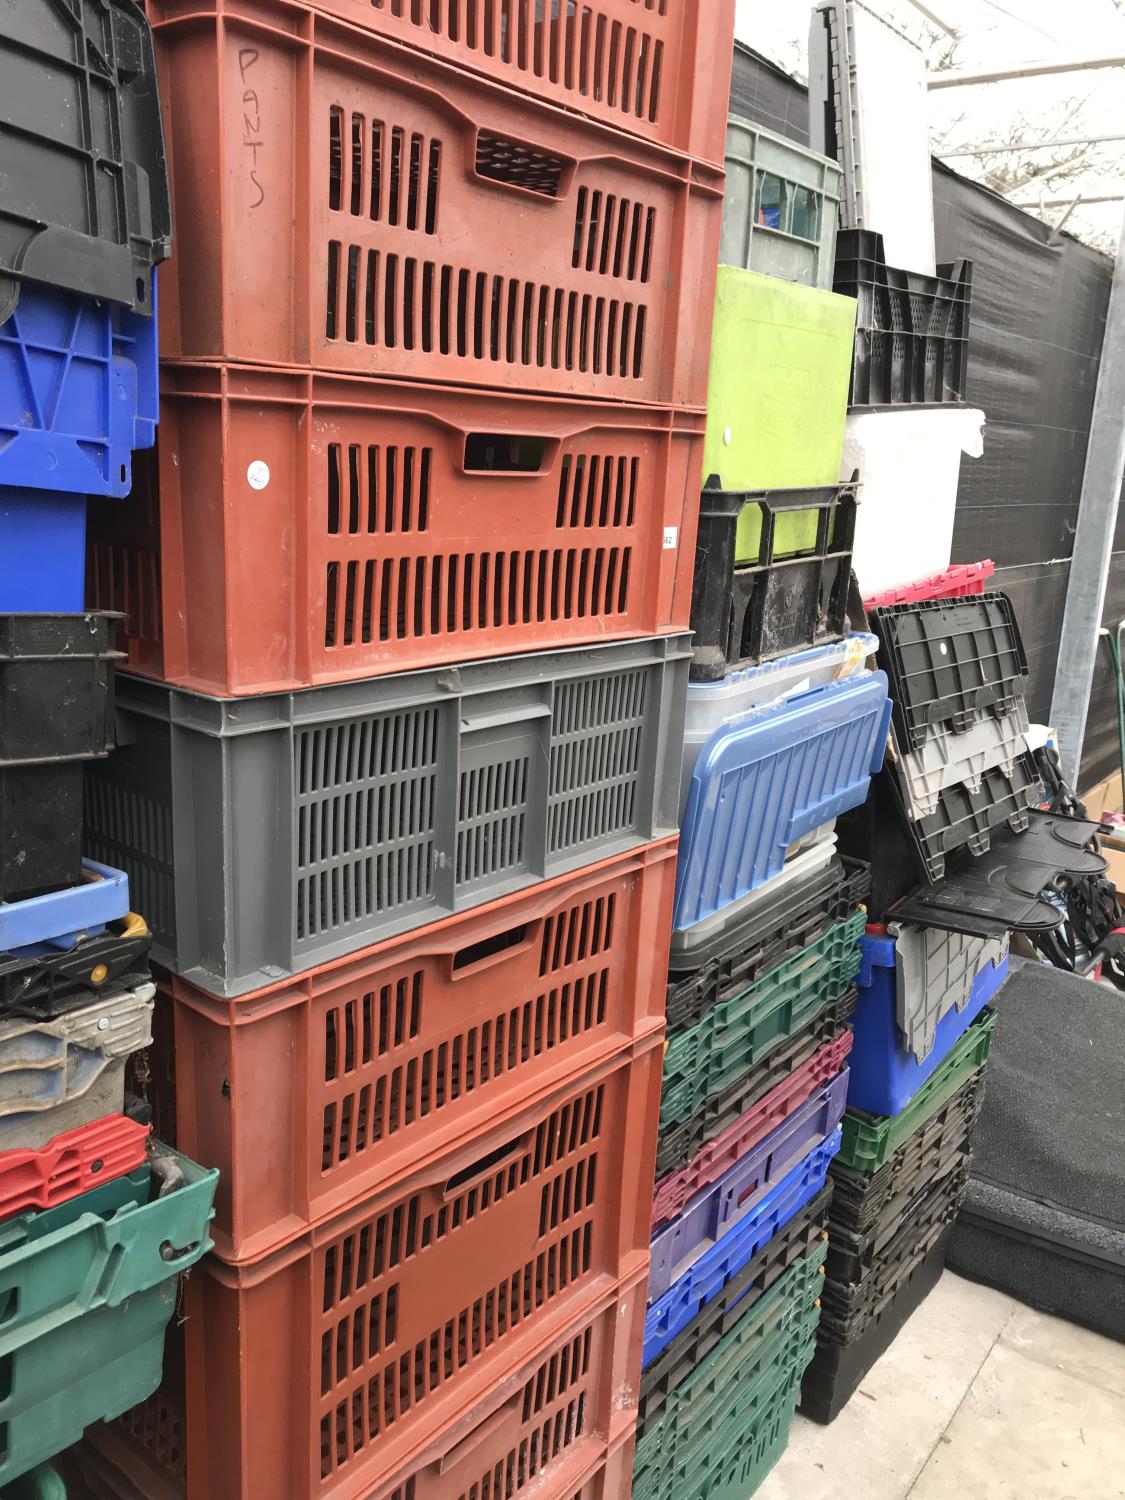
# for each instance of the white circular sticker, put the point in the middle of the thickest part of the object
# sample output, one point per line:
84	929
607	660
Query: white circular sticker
258	474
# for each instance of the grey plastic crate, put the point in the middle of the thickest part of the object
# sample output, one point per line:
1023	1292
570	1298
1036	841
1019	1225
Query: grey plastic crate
780	207
934	973
954	759
263	836
57	1075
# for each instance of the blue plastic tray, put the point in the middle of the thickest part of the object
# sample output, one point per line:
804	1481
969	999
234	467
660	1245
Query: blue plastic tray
82	908
766	781
672	1312
78	392
884	1076
42	552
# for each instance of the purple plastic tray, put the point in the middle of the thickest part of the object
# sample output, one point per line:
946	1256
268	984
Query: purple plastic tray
717	1208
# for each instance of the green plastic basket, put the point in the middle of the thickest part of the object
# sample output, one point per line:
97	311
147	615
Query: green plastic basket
736	1035
748	1358
781	363
871	1140
86	1291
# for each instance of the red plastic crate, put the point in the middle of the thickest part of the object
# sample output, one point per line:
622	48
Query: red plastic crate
401	526
330	1368
70	1164
660	70
957	582
674	1191
315	1092
345	203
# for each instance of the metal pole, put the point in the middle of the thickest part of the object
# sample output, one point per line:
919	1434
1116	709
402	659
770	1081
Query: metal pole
986	148
1093	540
955	78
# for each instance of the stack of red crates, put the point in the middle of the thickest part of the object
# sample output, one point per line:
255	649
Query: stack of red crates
437	340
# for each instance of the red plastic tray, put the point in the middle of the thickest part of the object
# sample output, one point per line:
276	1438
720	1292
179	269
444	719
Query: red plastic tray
313	529
72	1163
956	582
315	1092
674	1191
330	1369
659	70
345	203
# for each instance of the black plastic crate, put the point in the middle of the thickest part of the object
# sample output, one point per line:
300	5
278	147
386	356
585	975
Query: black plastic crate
837	1369
56	711
912	330
675	1363
852	1255
796	917
746	612
968	818
86	206
676	1146
48	986
949	661
863	1201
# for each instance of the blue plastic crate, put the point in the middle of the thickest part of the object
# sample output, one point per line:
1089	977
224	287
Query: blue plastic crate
885	1074
765	781
42	552
672	1312
102	897
78	392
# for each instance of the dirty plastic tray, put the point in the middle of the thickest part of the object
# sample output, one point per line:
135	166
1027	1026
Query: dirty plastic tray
86	205
45	979
854	1255
718	1207
70	1164
886	1075
949	661
946	761
100	897
723	1150
869	1141
780	206
804	1234
816	754
772	574
738	1033
672	1312
79	391
339	817
967	818
56	687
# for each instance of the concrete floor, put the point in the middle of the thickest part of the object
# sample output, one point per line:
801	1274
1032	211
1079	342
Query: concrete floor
979	1398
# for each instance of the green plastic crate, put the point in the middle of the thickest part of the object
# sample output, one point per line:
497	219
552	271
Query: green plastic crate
781	363
871	1140
737	1034
747	1358
40	1483
86	1291
781	206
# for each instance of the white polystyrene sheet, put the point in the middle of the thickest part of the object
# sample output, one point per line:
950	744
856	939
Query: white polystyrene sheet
872	81
909	464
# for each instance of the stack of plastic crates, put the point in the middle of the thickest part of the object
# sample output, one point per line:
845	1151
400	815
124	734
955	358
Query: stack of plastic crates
407	590
785	725
960	857
97	1219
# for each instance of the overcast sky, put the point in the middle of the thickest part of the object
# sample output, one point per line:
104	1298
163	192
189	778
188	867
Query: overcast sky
1002	32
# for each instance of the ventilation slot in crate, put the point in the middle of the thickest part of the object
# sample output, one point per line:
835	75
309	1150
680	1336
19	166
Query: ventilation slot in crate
596	745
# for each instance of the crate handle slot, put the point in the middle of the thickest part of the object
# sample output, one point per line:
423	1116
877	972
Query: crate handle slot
519	714
488	1427
483	1166
518	455
489	950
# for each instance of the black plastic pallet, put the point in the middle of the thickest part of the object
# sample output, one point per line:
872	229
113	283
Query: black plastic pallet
47	987
912	330
949	661
837	1369
677	1145
86	206
674	1364
746	612
852	1254
862	1201
793	920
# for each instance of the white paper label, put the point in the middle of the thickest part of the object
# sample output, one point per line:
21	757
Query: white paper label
671	536
258	474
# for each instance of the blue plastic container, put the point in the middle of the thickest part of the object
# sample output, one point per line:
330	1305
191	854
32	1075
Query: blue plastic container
78	392
102	897
672	1312
764	782
42	552
884	1075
